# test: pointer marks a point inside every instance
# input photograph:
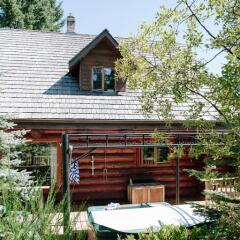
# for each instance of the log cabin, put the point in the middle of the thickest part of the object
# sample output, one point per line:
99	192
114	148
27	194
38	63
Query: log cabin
54	83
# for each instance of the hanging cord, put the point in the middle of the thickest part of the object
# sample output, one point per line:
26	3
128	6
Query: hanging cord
105	165
70	160
105	156
93	167
70	154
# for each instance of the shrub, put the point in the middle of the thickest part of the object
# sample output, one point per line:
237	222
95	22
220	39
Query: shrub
171	232
31	219
166	233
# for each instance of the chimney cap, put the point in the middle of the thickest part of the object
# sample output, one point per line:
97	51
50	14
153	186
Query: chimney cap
70	16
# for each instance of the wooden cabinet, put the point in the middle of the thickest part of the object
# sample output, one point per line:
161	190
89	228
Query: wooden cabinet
150	192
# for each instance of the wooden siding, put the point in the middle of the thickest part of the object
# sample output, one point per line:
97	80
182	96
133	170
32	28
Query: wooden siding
122	165
102	55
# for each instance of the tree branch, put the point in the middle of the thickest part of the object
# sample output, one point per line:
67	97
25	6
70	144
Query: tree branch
207	31
214	106
211	59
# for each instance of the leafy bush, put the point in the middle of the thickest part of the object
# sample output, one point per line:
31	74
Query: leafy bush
166	233
170	232
225	229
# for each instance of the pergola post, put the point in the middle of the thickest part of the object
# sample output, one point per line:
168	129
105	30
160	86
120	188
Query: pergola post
66	186
177	179
177	174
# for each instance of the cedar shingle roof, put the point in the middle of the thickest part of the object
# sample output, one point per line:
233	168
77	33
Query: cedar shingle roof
35	84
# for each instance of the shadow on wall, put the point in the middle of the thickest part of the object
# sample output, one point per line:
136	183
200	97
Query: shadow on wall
68	85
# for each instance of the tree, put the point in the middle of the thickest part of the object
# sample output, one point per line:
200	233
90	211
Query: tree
31	14
156	64
10	176
22	213
168	73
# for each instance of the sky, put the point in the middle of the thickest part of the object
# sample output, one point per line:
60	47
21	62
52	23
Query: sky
121	18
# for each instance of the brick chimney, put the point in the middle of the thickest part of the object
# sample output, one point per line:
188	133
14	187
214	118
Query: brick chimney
70	24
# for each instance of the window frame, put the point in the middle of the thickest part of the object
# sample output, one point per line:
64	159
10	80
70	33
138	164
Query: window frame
102	70
54	178
154	162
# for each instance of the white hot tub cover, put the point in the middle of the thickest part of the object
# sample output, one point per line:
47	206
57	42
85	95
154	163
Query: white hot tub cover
136	220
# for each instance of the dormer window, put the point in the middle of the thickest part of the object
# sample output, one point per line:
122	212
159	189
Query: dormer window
103	79
94	65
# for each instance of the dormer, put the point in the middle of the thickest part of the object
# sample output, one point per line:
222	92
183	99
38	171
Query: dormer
95	65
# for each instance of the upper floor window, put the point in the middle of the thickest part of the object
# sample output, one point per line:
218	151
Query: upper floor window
103	79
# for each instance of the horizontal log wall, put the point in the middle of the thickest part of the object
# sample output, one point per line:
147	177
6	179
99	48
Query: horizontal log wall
122	165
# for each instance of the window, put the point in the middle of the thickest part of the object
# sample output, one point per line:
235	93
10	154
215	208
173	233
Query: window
148	155
109	81
97	78
154	155
103	79
40	159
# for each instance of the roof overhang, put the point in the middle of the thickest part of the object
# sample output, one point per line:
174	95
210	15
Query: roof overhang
104	121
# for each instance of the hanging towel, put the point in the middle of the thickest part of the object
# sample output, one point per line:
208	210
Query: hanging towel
74	173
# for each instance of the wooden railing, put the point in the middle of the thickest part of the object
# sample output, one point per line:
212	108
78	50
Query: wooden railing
223	185
38	160
42	160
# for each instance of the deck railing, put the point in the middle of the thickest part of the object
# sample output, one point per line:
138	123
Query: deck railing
42	160
38	160
226	186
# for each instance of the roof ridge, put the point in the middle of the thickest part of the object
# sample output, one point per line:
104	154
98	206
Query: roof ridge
42	31
62	33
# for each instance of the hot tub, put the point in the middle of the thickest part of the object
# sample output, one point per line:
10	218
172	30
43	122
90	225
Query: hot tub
135	218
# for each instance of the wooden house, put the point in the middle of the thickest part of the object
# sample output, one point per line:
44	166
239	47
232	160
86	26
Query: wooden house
55	83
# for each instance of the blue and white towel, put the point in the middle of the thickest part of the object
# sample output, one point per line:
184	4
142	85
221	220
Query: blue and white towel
74	173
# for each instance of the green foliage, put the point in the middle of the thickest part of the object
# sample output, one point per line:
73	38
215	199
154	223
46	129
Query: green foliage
166	233
10	141
45	15
225	212
22	212
168	74
160	137
31	219
213	232
172	232
207	174
34	149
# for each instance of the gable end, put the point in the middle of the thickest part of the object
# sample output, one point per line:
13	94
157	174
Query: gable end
78	57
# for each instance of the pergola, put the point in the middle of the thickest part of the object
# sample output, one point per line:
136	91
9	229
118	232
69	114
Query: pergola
90	142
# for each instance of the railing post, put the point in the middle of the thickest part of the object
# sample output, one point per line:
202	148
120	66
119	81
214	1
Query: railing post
66	187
